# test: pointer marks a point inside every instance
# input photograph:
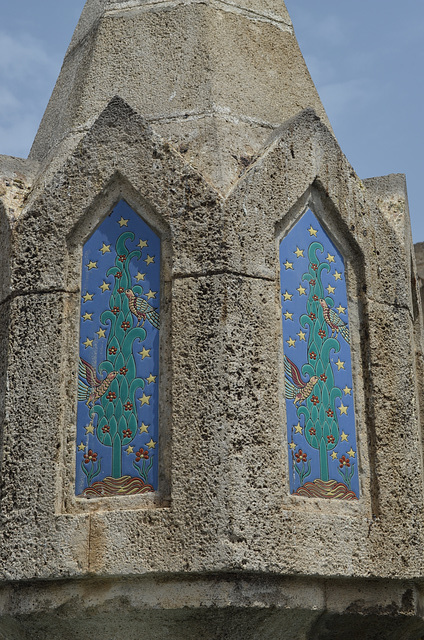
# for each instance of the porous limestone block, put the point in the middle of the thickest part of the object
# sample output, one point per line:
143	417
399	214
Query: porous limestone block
419	257
4	253
36	541
233	145
171	196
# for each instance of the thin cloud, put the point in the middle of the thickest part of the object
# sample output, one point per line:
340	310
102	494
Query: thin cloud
27	76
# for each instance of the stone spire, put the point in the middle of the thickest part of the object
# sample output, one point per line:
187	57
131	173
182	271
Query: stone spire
214	79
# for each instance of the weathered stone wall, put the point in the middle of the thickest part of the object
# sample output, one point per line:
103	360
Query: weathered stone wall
224	508
419	257
223	550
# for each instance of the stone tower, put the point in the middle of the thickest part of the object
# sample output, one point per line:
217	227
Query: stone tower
210	348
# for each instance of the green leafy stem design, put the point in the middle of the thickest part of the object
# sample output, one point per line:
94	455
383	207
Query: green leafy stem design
117	412
321	428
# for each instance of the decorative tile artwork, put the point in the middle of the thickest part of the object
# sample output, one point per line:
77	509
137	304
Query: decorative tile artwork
117	418
322	448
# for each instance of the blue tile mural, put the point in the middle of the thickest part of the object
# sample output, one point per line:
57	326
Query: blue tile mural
117	418
323	459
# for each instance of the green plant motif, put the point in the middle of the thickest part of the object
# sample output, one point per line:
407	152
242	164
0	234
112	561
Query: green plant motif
302	469
117	412
146	464
346	470
95	468
321	426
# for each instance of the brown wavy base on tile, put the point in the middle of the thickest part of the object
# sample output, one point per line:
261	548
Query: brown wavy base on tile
331	490
125	486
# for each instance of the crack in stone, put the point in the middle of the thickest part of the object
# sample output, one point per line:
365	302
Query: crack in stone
220	272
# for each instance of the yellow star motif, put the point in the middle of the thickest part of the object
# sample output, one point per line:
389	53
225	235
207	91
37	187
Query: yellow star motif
312	231
291	342
86	316
351	453
151	379
341	309
88	297
81	447
302	336
298	252
144	428
151	294
129	450
334	455
88	343
145	353
331	289
140	276
91	265
344	436
288	315
298	428
337	275
122	222
151	444
105	248
288	265
293	445
149	260
142	243
347	391
340	364
343	409
302	290
105	286
89	429
144	399
329	258
287	296
101	333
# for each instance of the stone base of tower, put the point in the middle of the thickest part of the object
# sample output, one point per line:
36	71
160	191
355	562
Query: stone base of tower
217	606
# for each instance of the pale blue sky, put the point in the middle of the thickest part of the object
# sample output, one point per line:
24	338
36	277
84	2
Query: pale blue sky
366	59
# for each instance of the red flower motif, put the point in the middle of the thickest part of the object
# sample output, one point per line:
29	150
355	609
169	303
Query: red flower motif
90	456
106	428
111	396
314	297
314	267
121	290
122	258
315	400
344	462
127	433
322	333
118	274
300	456
115	310
312	432
141	454
112	351
323	377
330	413
125	325
312	316
123	371
128	406
313	355
312	283
330	439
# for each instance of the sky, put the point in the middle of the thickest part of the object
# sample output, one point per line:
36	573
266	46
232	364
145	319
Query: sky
365	57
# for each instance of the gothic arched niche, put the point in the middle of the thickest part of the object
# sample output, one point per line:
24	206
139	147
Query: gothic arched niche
321	431
117	416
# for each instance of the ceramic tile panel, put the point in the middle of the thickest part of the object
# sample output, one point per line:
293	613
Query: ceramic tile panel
117	419
322	449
